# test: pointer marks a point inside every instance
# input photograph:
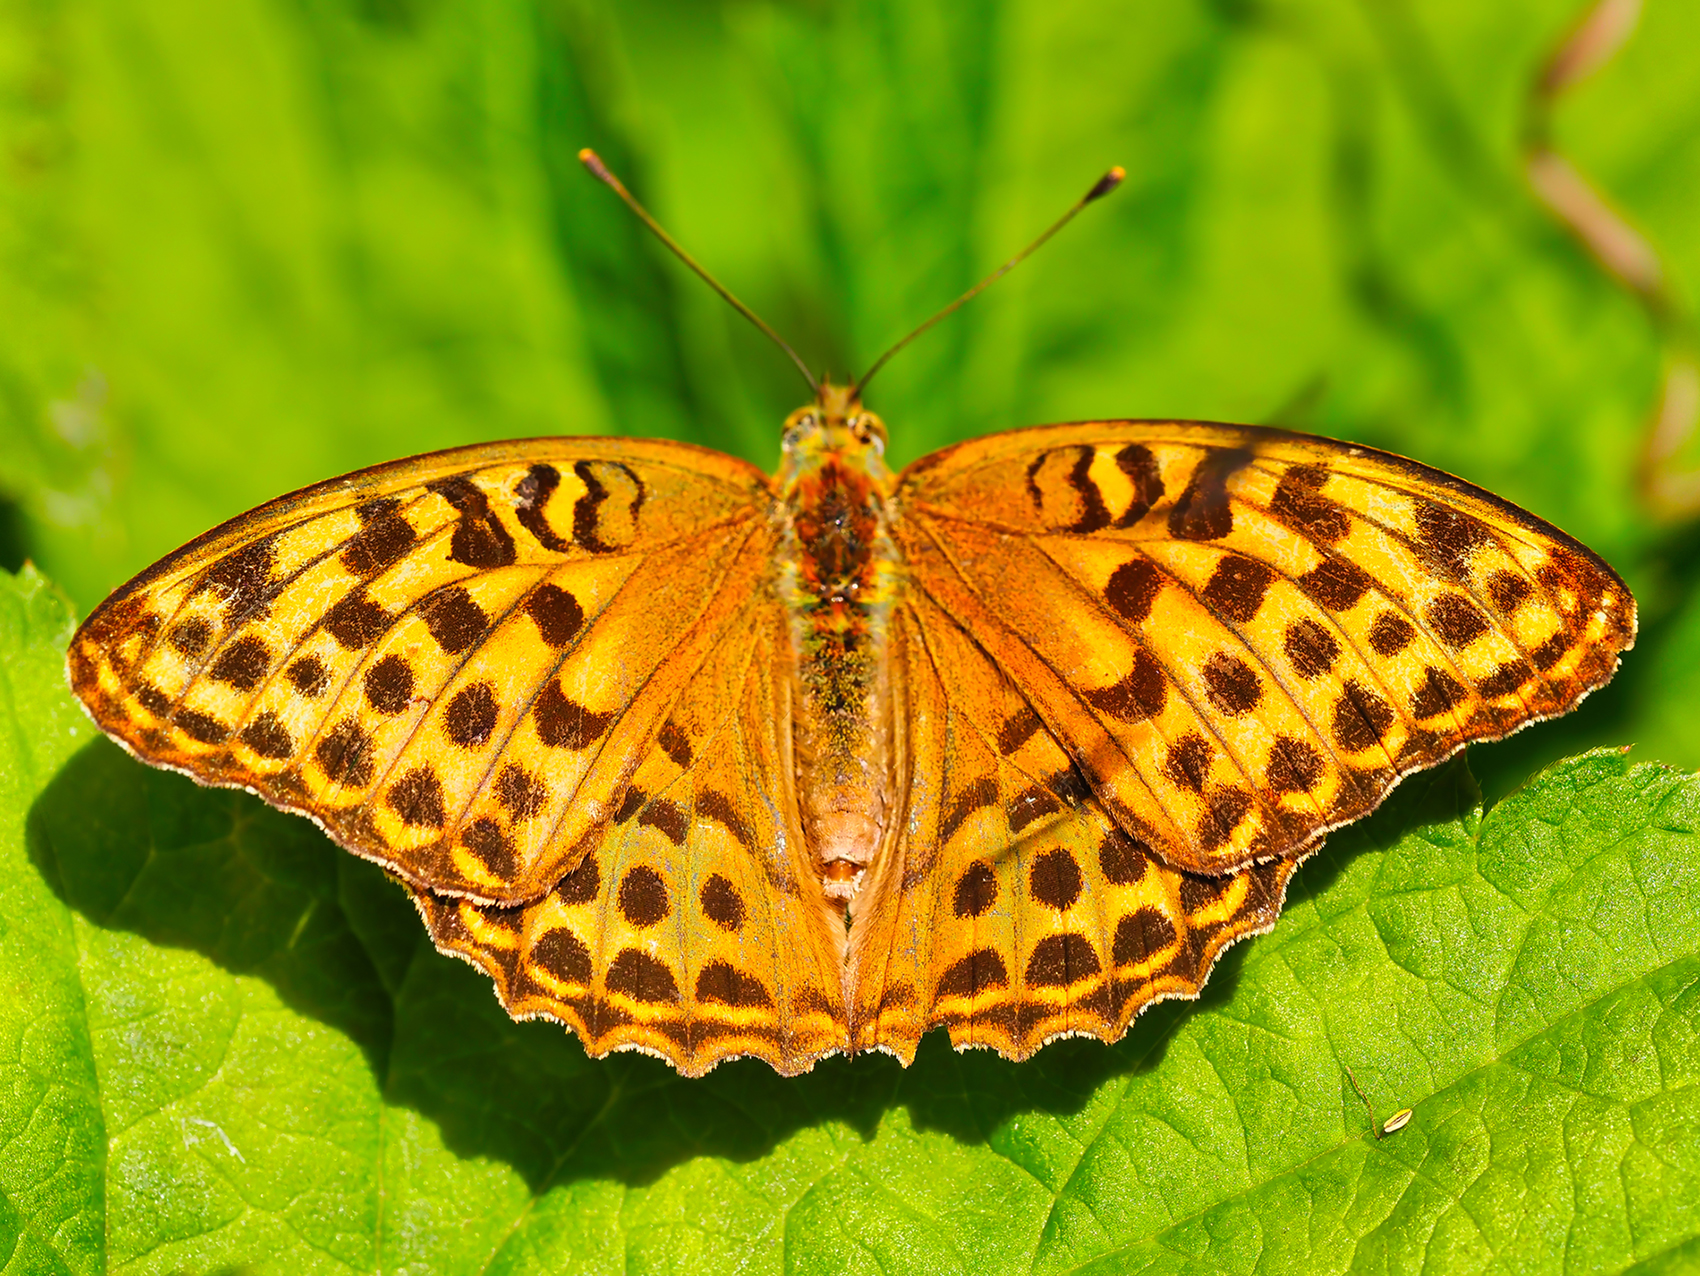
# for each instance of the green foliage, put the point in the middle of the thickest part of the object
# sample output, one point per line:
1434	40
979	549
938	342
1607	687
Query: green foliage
229	1047
247	246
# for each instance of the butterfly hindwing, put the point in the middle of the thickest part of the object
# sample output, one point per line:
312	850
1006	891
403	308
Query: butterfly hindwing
1244	637
1012	909
692	927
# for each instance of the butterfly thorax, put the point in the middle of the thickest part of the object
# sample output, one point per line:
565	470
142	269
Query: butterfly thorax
837	574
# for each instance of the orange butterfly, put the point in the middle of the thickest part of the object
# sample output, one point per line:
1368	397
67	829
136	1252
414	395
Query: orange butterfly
707	763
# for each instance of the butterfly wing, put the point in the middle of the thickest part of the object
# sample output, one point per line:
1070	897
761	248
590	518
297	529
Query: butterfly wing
694	927
1237	639
1012	908
475	668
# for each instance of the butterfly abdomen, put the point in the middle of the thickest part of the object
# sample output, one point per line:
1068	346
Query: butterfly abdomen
837	575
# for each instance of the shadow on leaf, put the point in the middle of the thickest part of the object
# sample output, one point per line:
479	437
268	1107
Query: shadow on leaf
265	894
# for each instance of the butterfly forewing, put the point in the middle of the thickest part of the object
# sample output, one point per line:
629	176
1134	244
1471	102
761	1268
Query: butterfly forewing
1244	637
452	662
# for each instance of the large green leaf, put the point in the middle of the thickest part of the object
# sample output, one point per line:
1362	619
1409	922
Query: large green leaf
227	1046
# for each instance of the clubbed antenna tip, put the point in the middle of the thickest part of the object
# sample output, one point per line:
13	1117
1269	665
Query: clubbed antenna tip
1102	187
1105	184
591	160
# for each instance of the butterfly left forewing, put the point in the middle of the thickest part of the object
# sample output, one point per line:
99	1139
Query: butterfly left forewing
396	651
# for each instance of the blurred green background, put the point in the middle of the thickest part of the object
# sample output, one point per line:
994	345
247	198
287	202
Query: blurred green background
251	245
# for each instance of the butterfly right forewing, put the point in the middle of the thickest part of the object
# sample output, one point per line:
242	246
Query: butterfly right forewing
399	652
1244	637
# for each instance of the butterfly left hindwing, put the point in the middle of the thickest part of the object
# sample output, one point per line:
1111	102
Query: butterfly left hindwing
692	927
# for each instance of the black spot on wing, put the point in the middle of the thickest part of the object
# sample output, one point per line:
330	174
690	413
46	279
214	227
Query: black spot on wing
470	718
191	637
242	664
267	736
642	978
1231	685
1060	960
1017	730
479	539
242	580
980	793
1237	586
1138	696
976	890
1136	461
643	897
384	537
1123	860
591	515
557	614
563	723
1337	583
417	797
345	754
980	971
389	684
722	982
456	622
1311	648
309	676
721	903
1203	512
531	496
1055	880
356	621
1132	588
1446	538
675	744
1299	504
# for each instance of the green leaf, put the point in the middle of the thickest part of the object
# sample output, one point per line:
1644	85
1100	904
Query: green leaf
52	1131
229	1047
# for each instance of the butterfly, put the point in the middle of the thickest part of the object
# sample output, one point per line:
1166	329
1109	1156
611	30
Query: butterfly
710	763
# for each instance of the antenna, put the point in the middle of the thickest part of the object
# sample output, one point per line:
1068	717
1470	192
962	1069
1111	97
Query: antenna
599	170
1102	187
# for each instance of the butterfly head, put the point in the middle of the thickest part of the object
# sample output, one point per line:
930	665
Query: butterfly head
834	422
